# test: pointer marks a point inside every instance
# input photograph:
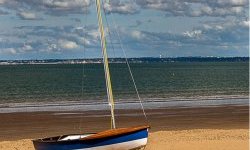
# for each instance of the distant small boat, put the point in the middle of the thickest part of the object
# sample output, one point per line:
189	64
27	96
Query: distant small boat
133	138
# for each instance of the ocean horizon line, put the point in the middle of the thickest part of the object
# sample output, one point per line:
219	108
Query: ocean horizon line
122	59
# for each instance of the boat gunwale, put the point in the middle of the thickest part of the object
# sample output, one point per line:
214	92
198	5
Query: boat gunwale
56	139
51	139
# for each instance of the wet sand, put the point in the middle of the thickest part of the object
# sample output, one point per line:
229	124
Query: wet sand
223	127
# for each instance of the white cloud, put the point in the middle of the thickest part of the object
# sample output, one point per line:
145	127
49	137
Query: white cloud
27	15
137	35
84	41
233	2
191	8
26	48
217	34
65	4
94	34
194	8
52	7
206	9
193	34
51	47
65	44
2	1
121	7
245	23
10	51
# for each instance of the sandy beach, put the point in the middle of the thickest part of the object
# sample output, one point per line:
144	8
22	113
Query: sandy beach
208	128
205	139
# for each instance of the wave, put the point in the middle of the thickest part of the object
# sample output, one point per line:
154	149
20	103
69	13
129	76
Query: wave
152	103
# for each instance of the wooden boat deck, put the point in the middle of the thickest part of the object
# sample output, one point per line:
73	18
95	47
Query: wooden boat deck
114	132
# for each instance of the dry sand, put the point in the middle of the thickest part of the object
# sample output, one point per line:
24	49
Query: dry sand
196	139
199	139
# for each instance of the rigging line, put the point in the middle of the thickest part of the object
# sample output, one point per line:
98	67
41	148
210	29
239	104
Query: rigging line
129	68
83	63
109	33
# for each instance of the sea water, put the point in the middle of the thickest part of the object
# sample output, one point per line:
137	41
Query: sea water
60	84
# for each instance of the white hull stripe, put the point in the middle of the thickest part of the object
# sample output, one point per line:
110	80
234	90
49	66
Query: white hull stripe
120	146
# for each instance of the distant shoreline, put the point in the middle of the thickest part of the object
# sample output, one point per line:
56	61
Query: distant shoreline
123	60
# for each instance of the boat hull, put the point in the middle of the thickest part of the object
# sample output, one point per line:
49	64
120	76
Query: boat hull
131	141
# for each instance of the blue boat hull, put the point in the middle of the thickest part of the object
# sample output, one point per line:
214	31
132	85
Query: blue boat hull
128	141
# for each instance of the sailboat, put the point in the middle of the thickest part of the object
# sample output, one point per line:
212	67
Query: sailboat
133	138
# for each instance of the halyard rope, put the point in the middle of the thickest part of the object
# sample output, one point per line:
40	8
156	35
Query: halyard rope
129	68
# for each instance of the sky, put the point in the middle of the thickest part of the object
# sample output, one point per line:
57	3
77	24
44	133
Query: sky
68	29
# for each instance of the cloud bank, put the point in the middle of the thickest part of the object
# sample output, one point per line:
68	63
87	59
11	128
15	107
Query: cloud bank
222	30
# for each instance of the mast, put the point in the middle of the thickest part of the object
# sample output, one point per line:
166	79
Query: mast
106	63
